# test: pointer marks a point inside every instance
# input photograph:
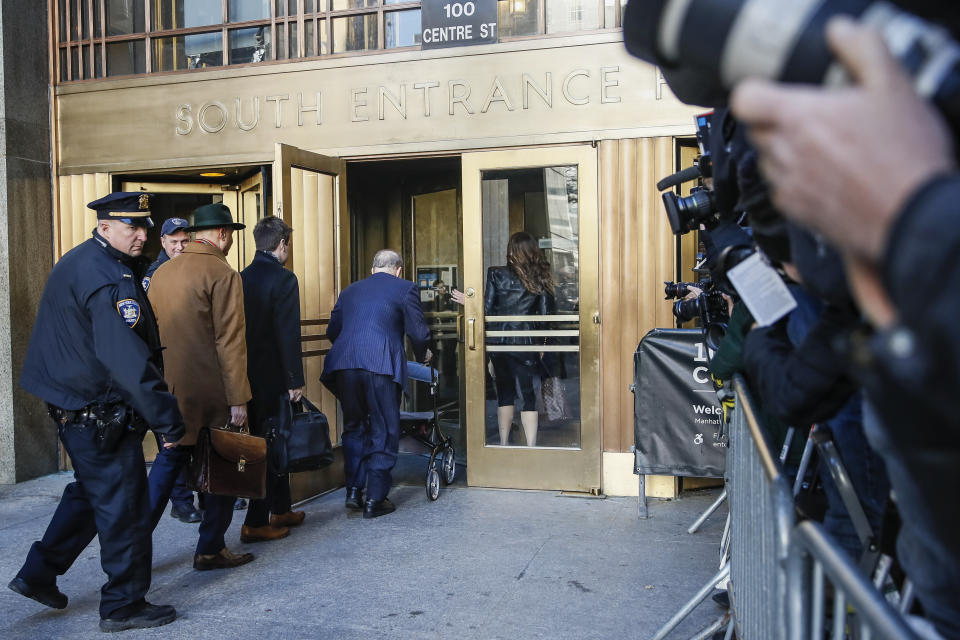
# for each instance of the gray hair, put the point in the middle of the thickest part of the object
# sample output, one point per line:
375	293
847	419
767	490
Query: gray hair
386	260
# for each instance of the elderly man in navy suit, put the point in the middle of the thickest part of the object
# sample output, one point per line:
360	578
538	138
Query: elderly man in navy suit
367	370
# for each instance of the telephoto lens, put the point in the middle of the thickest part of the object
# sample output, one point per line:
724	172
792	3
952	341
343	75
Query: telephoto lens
704	47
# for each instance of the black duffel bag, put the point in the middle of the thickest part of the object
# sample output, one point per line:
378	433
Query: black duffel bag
298	439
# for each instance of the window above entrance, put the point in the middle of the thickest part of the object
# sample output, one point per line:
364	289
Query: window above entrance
108	38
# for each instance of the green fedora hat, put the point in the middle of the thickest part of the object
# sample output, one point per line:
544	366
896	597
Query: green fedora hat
213	216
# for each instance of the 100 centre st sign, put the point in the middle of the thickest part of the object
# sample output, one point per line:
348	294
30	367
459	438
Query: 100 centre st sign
457	23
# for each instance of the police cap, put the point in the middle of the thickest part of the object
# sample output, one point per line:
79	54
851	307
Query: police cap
172	225
131	207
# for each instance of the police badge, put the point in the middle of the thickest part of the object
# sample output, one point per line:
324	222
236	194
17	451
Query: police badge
129	310
145	283
144	202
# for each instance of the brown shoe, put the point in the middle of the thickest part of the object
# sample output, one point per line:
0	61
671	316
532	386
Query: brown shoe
288	519
226	559
262	534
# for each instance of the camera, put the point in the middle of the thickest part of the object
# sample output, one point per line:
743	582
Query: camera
686	213
679	290
709	308
704	47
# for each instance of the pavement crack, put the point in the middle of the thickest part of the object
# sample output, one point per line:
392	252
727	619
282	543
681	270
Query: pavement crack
523	572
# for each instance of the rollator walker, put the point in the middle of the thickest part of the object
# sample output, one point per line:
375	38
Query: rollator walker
424	427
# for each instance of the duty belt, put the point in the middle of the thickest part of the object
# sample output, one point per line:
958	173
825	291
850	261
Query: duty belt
63	416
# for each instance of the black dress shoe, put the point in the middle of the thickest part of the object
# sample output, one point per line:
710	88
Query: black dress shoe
377	508
354	498
186	513
145	617
49	596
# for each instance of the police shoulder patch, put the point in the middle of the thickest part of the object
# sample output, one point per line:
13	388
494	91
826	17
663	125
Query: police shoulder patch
129	310
145	283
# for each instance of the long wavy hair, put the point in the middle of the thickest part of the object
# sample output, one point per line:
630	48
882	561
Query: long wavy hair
527	261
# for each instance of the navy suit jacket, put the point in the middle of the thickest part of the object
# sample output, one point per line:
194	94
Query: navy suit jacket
271	303
367	326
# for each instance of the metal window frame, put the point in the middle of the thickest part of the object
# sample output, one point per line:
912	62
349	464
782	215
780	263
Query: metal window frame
322	17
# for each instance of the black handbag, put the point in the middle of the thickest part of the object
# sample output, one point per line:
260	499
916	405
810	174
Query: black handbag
299	439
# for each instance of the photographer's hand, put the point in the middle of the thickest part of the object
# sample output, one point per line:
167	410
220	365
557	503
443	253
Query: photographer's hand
692	292
843	161
868	290
729	302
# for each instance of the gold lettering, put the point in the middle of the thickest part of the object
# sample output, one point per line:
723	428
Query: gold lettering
572	99
202	116
278	117
455	99
183	115
545	94
356	103
317	108
606	83
425	87
256	115
497	94
399	104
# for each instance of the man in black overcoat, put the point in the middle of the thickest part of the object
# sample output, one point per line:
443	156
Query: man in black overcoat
271	302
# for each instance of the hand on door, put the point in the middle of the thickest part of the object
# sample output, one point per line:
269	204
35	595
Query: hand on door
458	296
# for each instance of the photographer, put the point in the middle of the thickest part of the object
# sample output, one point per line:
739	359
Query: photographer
871	168
803	381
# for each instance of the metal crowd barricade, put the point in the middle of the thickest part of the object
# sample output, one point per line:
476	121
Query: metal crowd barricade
761	518
779	570
857	609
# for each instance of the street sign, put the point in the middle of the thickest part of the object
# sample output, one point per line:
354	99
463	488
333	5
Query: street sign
457	23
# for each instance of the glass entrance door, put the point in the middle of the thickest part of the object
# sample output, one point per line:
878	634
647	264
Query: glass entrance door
530	229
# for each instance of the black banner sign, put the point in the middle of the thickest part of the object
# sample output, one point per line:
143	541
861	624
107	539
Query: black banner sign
457	23
676	415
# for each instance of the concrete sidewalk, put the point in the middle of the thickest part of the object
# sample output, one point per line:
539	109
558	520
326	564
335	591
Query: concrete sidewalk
476	564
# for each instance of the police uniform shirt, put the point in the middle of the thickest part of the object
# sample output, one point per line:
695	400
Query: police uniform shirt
162	258
83	350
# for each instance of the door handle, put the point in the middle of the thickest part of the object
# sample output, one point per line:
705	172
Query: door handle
471	333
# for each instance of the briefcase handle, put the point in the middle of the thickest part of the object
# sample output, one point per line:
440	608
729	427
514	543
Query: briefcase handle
229	426
303	402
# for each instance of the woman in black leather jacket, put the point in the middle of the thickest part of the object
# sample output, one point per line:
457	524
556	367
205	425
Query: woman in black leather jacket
522	288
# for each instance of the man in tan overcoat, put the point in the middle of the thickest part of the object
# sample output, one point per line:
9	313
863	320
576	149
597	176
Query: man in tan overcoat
198	301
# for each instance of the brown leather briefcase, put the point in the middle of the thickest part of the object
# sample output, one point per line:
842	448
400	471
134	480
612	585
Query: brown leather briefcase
229	462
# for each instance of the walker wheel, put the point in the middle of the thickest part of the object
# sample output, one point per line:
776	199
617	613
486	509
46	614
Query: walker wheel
433	483
449	465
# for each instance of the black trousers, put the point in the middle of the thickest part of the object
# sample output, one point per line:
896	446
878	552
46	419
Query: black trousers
217	512
277	499
371	429
181	495
108	499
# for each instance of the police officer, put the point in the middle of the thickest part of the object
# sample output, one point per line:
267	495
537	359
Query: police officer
173	238
94	357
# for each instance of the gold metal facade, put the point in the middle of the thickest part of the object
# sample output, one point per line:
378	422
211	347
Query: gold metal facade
637	254
580	90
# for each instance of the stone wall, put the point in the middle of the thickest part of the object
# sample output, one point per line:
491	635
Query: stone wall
28	442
